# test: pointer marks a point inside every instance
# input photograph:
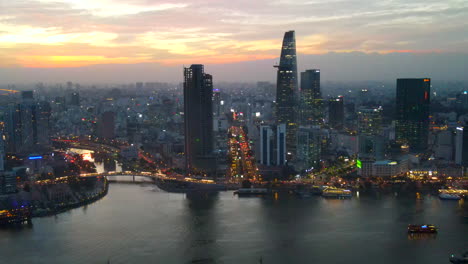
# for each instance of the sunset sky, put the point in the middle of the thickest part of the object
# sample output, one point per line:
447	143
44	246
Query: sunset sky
75	33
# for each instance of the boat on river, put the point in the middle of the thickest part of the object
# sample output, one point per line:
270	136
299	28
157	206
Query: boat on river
332	192
422	229
15	216
449	196
452	194
463	259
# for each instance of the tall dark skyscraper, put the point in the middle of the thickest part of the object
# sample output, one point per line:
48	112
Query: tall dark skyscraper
107	125
310	98
28	119
266	145
12	131
75	99
412	120
286	89
461	146
198	116
336	112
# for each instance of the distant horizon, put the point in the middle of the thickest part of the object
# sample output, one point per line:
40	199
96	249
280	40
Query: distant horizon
348	66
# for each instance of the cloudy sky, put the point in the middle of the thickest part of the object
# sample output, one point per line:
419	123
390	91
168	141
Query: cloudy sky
48	35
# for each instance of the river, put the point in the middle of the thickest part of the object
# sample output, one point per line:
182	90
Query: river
138	223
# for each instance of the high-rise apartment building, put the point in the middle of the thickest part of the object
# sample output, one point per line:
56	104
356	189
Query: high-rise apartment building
286	89
28	116
43	112
310	98
273	148
75	99
266	146
309	148
412	112
2	146
107	125
198	117
11	118
281	145
370	121
25	124
216	102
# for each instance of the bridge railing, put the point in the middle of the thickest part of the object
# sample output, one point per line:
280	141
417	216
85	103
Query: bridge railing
125	173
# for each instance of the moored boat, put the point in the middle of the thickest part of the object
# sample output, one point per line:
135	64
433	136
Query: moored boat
449	196
332	192
452	194
422	229
421	236
459	259
15	216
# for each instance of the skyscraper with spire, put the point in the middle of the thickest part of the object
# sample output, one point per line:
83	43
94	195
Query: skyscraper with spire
286	89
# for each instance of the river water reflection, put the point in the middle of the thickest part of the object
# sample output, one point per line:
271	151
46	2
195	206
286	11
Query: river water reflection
138	223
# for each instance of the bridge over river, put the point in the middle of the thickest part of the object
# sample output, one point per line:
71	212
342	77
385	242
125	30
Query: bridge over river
149	175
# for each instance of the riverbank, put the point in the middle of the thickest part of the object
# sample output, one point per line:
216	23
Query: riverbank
63	207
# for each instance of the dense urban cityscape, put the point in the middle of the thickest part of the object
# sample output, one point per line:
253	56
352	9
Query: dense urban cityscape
208	171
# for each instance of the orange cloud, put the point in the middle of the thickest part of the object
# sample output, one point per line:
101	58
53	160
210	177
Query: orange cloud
75	61
412	51
222	59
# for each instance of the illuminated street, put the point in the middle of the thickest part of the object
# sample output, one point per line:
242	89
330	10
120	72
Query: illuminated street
242	161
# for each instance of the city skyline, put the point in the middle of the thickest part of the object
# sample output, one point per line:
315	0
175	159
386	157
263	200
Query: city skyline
163	131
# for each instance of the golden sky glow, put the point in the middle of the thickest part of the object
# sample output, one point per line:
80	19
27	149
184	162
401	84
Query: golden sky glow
74	33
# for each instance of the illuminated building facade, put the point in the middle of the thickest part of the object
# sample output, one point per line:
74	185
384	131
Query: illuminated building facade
412	117
216	102
198	120
286	89
370	121
383	168
310	98
389	168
